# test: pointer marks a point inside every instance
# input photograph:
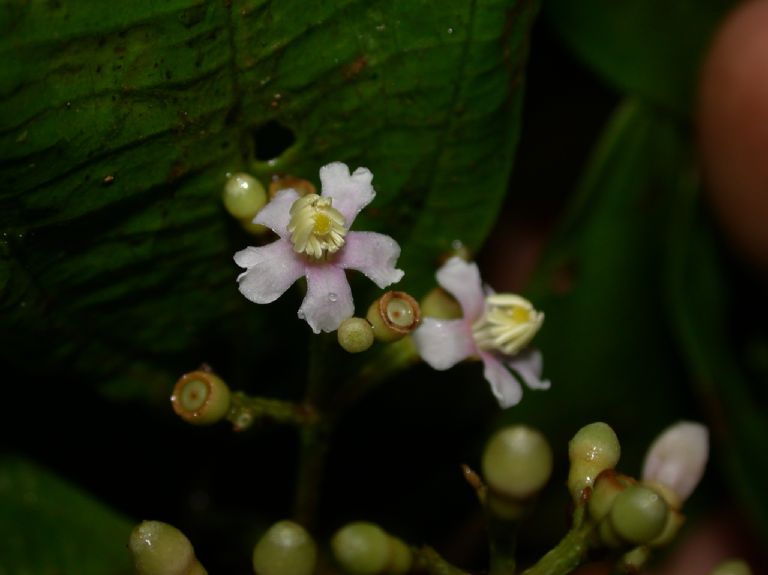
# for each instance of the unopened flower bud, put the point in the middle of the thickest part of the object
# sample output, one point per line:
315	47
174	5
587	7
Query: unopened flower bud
281	182
285	549
732	567
607	535
393	316
244	196
363	548
253	228
634	559
200	397
439	304
638	514
160	549
676	460
355	334
674	522
593	449
607	485
400	557
517	462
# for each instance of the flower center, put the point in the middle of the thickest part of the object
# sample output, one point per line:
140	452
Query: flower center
399	312
194	394
508	324
316	228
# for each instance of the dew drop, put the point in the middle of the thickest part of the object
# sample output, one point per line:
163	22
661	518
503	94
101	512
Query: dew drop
450	30
332	297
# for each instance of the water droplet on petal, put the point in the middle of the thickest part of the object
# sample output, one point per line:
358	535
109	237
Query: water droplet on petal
332	296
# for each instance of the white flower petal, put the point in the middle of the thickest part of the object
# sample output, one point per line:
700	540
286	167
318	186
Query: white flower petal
462	280
504	386
276	214
350	193
528	366
677	457
373	254
443	343
329	299
271	270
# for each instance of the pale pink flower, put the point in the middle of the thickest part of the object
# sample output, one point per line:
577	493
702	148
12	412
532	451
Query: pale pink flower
677	457
315	242
495	328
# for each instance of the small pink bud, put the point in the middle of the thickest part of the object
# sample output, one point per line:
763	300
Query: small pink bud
677	457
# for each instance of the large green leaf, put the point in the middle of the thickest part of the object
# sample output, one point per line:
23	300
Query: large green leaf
651	49
50	527
119	123
720	316
607	343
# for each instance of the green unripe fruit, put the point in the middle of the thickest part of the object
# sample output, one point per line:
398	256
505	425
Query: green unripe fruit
593	449
606	488
732	567
160	549
638	515
244	196
674	522
608	536
439	304
400	557
252	228
361	548
517	462
200	397
285	549
355	334
393	316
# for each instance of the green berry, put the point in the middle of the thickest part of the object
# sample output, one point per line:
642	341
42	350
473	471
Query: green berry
593	449
361	548
517	462
672	526
243	196
439	304
400	557
160	549
355	334
606	488
200	397
638	515
393	316
285	549
252	228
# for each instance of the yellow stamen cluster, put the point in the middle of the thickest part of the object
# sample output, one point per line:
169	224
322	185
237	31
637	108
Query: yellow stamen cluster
507	325
317	229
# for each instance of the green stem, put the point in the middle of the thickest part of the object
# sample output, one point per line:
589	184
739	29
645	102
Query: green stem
428	560
568	554
502	541
246	410
326	409
313	438
313	450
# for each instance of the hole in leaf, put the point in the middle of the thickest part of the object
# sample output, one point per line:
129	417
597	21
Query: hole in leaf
270	140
